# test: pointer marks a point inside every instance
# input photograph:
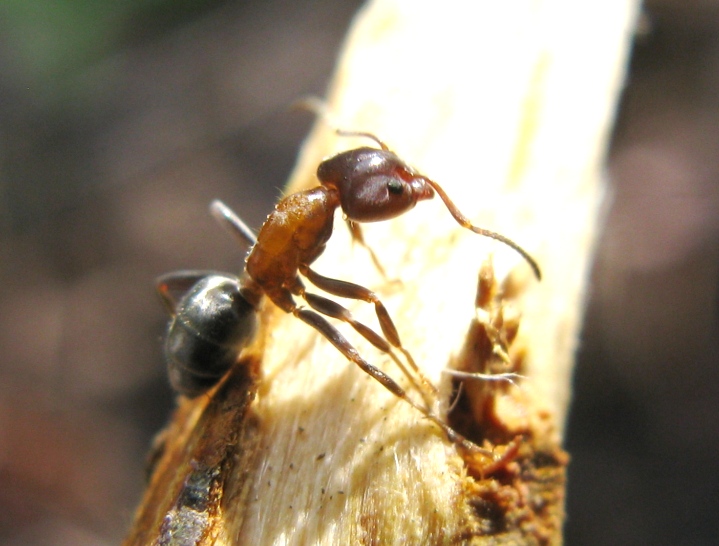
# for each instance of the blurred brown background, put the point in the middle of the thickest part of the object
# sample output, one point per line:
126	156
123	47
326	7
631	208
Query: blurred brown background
119	122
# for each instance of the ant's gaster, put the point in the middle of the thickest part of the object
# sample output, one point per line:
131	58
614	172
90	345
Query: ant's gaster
213	318
211	323
369	185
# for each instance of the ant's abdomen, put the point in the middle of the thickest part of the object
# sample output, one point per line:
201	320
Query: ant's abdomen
212	324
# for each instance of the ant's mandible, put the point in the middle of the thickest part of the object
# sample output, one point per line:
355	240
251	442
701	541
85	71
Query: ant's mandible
215	318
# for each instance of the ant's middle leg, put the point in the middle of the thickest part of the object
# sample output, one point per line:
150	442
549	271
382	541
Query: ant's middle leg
353	291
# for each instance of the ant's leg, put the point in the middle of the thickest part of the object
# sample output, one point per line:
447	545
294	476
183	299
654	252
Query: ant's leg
353	291
334	336
335	310
226	217
172	286
319	107
358	237
284	300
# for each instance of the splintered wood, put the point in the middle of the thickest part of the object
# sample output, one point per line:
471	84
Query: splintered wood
519	496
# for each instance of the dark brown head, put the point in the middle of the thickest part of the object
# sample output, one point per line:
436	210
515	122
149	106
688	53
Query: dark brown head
373	185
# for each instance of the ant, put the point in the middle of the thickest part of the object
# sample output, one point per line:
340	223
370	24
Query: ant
216	316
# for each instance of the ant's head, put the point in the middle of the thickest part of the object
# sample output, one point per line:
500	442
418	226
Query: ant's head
376	185
373	185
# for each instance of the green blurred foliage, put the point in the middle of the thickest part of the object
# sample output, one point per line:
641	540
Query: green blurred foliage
50	40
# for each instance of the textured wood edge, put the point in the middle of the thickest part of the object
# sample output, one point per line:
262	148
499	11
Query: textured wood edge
508	107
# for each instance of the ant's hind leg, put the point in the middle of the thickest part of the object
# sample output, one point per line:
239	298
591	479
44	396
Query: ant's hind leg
353	291
171	287
319	323
227	218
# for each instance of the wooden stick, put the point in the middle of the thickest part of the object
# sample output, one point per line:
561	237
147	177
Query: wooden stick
508	106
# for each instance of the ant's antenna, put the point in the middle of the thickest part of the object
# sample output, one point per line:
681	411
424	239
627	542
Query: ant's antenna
319	108
463	221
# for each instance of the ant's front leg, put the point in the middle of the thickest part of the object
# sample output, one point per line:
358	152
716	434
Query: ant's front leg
353	291
358	237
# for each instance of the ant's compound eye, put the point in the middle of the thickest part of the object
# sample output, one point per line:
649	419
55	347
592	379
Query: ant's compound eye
376	198
395	187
